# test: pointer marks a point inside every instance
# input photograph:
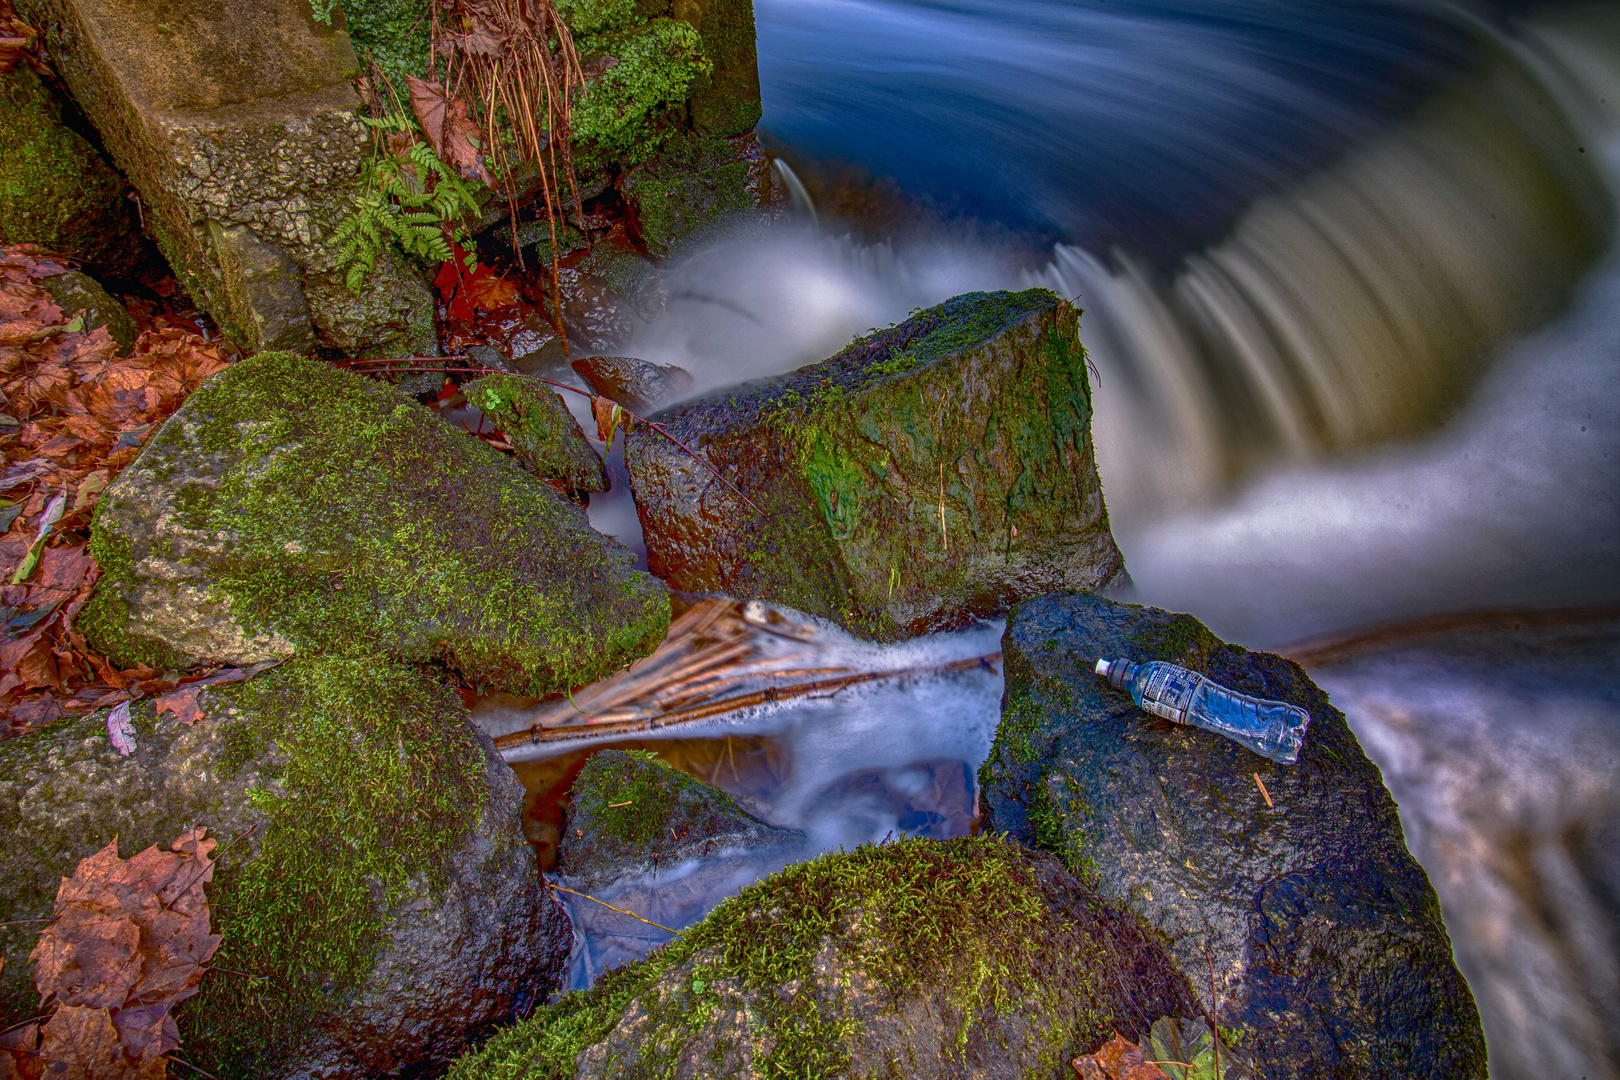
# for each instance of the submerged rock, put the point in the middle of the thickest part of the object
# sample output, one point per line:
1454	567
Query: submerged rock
1322	934
544	433
932	472
916	959
631	813
377	903
293	507
638	385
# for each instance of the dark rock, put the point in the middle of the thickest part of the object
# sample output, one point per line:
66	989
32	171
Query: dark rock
915	959
56	190
294	507
372	871
669	816
978	409
638	385
262	292
535	421
79	292
694	185
1324	934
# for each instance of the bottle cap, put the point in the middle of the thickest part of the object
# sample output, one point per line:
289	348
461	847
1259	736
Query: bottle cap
1102	668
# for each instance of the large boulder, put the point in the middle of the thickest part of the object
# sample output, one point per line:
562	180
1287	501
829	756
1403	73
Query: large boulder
377	903
932	472
917	959
1298	901
236	122
293	507
56	190
629	813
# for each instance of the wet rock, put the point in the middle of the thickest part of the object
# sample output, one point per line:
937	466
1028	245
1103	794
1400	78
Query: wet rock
535	421
631	813
291	507
932	472
236	122
692	186
79	292
916	959
638	385
56	190
372	871
1323	933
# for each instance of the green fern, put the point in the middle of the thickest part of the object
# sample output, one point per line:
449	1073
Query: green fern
419	204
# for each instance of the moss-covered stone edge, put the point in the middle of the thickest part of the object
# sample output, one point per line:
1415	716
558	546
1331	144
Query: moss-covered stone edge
383	781
339	558
370	778
843	422
965	916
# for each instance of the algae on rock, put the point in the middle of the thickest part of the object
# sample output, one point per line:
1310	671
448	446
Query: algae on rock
914	959
629	812
1325	936
930	473
545	435
376	900
293	507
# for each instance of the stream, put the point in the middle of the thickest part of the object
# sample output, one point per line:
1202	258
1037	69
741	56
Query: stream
1352	292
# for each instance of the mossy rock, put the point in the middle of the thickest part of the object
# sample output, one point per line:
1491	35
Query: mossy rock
291	507
78	292
1323	935
929	474
630	813
545	435
914	959
377	902
56	190
694	185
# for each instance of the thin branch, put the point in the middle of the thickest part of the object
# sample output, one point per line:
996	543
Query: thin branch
189	1065
771	695
610	907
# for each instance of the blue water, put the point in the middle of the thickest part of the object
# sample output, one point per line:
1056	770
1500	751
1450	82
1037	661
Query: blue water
1145	124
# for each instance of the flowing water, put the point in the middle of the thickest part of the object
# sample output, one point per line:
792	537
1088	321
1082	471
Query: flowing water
1351	288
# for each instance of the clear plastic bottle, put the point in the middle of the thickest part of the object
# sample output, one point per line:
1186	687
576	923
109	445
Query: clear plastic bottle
1272	729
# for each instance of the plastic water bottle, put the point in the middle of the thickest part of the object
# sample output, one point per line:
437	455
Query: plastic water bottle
1272	729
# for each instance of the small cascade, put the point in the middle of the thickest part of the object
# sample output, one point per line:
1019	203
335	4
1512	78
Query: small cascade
1357	307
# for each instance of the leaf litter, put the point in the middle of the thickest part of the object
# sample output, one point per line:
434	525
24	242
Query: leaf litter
75	413
129	939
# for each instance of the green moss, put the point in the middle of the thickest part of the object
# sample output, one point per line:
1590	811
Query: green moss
656	65
631	804
963	917
394	33
55	189
541	429
360	524
381	781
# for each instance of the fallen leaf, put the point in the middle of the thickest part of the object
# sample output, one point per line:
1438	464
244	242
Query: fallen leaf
1117	1059
128	940
121	730
449	130
80	1044
606	413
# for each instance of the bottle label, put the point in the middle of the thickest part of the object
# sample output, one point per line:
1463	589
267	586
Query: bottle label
1169	691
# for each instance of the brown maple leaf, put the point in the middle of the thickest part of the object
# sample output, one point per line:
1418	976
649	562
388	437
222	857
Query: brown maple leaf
453	134
128	940
1117	1059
